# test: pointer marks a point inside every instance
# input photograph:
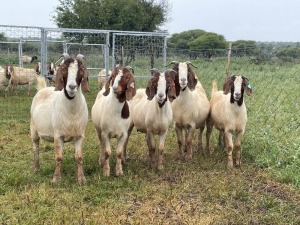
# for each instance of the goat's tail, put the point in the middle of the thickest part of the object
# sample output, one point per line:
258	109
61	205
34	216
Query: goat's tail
214	87
41	82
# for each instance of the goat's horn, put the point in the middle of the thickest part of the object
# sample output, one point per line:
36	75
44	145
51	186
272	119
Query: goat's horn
189	63
153	70
64	55
80	57
173	62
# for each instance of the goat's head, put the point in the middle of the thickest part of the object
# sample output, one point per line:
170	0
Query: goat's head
236	86
122	84
33	58
161	85
9	70
72	74
185	76
51	69
37	68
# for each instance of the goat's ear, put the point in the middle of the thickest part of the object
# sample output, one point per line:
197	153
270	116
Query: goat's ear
150	92
59	82
85	81
107	86
228	84
247	86
171	90
192	80
131	89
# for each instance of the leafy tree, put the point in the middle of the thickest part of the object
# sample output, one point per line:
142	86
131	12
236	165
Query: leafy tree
2	37
244	47
198	42
130	15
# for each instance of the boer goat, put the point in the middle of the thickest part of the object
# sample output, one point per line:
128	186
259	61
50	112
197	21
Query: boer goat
228	114
190	108
59	114
111	117
19	76
151	111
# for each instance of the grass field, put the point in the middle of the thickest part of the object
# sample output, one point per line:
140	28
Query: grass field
265	190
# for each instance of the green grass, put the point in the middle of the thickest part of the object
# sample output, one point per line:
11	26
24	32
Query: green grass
201	191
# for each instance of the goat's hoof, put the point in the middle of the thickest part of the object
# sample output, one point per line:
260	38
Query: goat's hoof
106	173
119	173
189	157
229	165
81	180
55	180
160	167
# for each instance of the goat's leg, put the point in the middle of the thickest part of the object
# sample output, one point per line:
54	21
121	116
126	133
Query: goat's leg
107	154
161	145
209	127
124	157
181	145
151	147
58	146
119	152
36	146
101	149
189	141
237	146
229	145
200	141
79	159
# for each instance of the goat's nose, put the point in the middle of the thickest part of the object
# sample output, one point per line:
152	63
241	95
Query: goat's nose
183	79
72	86
237	95
160	95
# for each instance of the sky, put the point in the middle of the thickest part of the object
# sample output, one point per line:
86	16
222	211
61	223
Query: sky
257	20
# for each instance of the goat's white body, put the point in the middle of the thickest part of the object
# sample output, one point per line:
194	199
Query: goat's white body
55	118
149	118
53	115
226	115
22	76
190	110
106	117
230	119
3	80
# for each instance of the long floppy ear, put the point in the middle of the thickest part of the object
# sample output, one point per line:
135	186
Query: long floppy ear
107	86
150	92
192	79
171	90
228	84
61	72
85	80
131	90
247	86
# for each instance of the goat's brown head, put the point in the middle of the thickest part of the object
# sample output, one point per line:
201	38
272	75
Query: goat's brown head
122	83
185	76
236	85
72	74
37	68
162	86
9	70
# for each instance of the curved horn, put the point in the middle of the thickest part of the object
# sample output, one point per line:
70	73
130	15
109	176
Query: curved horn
173	62
80	57
130	68
153	70
189	63
64	55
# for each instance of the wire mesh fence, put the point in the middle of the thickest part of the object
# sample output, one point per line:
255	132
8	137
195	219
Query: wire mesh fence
273	71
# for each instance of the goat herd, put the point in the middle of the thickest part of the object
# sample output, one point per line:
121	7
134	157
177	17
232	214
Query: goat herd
174	95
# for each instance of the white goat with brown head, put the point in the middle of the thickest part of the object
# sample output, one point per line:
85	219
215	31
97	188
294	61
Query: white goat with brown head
190	108
151	111
111	116
60	114
228	114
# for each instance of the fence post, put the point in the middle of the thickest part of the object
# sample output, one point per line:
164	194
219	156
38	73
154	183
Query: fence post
228	60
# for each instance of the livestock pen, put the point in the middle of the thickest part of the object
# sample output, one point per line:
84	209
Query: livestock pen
265	190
